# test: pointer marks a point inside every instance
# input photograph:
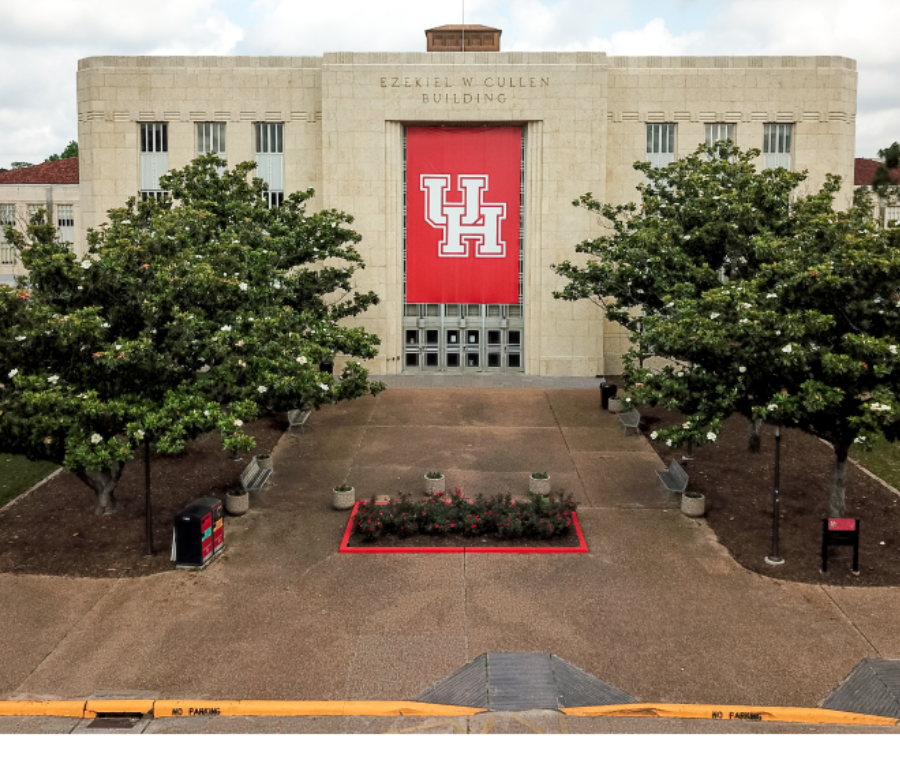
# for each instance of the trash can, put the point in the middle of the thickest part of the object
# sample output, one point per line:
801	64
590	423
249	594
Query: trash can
198	535
607	392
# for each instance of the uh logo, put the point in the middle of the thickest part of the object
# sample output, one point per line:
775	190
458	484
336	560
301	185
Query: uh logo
471	220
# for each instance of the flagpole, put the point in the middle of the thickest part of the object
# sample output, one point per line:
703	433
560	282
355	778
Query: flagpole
464	26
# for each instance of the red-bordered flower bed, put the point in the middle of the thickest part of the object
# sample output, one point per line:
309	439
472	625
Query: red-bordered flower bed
512	523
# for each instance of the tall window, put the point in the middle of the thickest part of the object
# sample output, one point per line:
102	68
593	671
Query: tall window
7	218
661	144
270	159
65	222
211	139
154	157
721	131
777	146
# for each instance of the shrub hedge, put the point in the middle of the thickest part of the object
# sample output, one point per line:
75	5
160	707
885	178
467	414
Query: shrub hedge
538	517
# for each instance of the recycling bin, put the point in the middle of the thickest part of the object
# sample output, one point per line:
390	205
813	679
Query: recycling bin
199	533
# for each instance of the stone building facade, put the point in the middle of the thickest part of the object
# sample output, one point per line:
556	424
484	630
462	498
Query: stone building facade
339	124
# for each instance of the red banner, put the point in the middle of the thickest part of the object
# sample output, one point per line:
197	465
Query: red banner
462	214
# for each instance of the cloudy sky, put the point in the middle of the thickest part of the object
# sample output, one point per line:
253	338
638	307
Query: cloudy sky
39	51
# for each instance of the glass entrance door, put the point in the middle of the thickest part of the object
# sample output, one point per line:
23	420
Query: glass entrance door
468	337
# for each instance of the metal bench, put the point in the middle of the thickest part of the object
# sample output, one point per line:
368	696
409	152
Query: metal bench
675	478
298	417
253	478
630	419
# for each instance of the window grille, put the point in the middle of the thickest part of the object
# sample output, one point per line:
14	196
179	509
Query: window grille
661	144
777	145
721	131
65	222
211	138
270	159
7	219
154	155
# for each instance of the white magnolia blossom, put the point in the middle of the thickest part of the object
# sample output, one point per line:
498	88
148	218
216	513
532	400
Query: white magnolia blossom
302	360
243	286
772	295
668	442
85	264
679	373
772	407
53	379
261	389
238	423
654	435
206	412
787	349
22	338
627	400
13	373
96	438
104	324
877	407
714	315
324	387
203	369
747	306
686	425
742	369
743	322
225	328
126	222
892	348
138	434
711	436
859	439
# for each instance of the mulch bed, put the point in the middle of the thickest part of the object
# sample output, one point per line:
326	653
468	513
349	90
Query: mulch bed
54	530
739	498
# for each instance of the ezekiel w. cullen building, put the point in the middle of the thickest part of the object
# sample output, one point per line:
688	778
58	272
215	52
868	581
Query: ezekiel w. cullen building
460	167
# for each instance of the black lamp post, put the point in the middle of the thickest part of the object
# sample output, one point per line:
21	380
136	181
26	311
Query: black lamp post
774	558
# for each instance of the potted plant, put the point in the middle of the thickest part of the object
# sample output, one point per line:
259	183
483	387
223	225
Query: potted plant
617	405
434	483
539	483
693	504
237	501
264	461
343	497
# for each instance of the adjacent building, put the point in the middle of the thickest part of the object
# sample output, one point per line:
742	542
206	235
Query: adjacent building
460	167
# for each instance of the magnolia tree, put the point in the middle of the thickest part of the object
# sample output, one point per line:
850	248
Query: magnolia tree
695	228
802	329
199	312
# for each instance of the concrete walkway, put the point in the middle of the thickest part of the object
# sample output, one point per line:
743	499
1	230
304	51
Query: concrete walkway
657	608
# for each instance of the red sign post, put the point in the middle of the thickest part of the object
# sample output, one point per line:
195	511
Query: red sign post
462	214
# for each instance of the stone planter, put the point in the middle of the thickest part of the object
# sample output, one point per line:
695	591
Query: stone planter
434	486
237	505
265	462
343	499
693	504
617	405
540	487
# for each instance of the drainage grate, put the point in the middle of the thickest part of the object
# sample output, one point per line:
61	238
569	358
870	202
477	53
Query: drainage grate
873	688
114	722
512	682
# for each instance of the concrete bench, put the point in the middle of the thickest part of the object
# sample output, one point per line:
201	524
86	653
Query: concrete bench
630	419
253	478
298	417
675	478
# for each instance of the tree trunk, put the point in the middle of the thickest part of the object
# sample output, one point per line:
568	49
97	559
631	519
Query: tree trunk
103	483
837	505
753	439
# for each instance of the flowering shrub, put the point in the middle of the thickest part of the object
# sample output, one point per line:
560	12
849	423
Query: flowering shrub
440	514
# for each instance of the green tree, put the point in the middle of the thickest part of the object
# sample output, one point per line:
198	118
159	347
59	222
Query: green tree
71	150
694	229
802	327
198	312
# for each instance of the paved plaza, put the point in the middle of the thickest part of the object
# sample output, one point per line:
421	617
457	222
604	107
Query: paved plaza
657	608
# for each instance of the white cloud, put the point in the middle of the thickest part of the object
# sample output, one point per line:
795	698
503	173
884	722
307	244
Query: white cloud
41	50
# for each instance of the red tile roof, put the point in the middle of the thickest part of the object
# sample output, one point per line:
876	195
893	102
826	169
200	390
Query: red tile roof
58	172
864	171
